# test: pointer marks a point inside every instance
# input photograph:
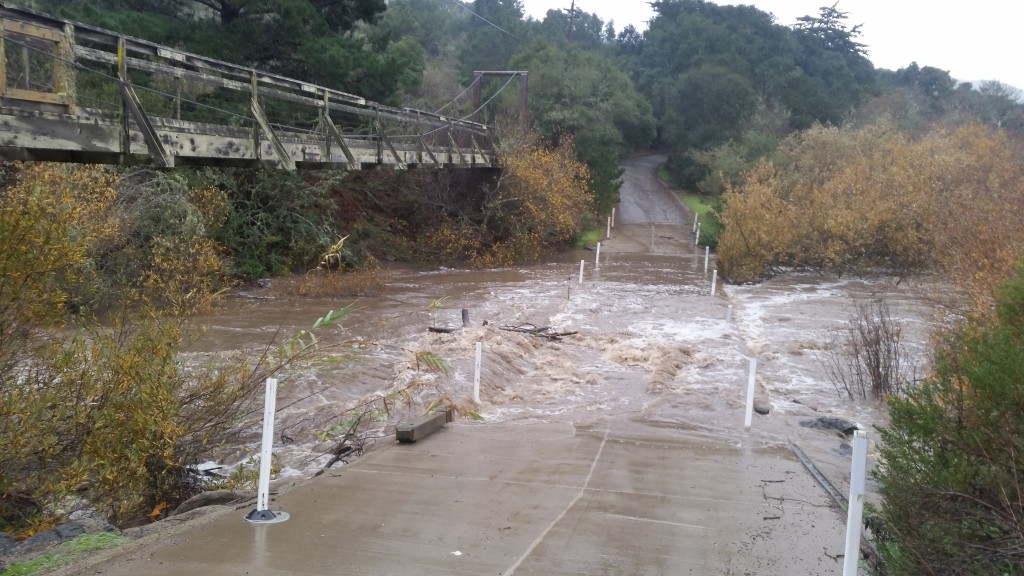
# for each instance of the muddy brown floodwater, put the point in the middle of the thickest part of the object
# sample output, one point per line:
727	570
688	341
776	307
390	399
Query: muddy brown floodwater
653	352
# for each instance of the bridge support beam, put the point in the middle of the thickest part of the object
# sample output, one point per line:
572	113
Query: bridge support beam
131	106
283	160
456	149
386	143
331	131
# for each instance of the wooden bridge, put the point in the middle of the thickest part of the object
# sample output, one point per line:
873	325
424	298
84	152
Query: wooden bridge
76	93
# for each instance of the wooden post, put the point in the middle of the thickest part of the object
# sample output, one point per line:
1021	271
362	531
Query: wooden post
3	62
122	75
255	123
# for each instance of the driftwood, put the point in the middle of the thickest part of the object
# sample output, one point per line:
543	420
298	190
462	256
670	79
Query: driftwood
542	331
450	329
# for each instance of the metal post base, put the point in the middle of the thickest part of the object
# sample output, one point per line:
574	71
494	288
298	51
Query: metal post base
266	517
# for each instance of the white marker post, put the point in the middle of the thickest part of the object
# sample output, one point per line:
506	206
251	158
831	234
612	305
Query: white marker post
728	313
581	272
707	254
714	280
751	379
856	508
694	223
613	216
597	257
696	241
608	230
262	513
476	372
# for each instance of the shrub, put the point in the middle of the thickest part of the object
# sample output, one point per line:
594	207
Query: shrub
952	454
867	358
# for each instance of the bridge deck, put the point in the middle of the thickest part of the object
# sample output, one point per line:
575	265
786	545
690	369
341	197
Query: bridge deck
152	104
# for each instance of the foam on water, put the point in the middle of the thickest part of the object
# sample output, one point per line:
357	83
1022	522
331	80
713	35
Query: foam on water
651	344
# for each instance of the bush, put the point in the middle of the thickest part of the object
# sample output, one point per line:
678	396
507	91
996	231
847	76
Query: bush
112	419
951	458
867	358
862	199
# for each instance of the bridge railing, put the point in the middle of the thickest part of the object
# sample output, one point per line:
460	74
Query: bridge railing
166	106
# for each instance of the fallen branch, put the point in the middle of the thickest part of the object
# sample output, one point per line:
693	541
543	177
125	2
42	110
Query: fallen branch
541	331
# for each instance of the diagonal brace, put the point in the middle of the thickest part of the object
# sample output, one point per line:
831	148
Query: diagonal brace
275	142
333	131
156	148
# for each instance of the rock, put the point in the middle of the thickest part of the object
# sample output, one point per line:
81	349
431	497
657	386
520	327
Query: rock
762	407
210	498
844	449
7	542
831	423
64	533
810	406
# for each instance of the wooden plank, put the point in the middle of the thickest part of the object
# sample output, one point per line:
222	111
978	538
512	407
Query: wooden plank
35	96
415	430
32	30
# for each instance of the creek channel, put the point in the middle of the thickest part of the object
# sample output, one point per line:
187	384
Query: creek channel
653	347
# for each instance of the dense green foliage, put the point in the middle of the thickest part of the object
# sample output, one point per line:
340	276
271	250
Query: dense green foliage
585	95
330	42
952	454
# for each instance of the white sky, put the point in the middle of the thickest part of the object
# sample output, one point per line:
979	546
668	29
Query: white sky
974	40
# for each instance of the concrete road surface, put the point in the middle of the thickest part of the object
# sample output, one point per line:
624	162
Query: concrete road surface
527	498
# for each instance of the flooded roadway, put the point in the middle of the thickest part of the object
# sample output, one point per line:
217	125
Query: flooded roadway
643	405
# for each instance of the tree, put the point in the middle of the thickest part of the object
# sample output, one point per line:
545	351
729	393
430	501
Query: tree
710	106
583	95
495	31
840	74
830	31
1000	104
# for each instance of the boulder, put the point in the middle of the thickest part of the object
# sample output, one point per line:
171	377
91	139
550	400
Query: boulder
762	407
209	498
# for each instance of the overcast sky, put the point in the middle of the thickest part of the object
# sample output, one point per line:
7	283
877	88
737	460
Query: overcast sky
973	40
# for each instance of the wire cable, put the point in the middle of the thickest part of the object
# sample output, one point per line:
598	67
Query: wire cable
473	113
461	94
466	8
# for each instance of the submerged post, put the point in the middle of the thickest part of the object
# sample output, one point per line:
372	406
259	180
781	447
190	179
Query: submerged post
695	217
728	313
751	379
476	372
262	513
581	272
696	241
597	257
714	280
608	229
855	511
707	254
